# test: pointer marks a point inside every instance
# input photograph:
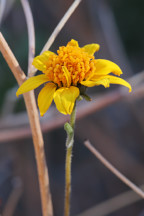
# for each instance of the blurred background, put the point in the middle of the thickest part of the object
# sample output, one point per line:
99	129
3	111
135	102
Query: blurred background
116	130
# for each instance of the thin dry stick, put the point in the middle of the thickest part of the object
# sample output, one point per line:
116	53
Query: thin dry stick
114	170
114	204
31	34
59	27
35	127
55	120
13	198
2	8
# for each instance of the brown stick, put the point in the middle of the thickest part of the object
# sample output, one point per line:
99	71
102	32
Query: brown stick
59	27
61	24
55	119
113	204
114	170
35	127
13	198
31	34
2	9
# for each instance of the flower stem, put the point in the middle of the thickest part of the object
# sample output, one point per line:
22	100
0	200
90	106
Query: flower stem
69	127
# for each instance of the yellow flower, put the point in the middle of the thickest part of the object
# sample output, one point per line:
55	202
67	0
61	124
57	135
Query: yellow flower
67	72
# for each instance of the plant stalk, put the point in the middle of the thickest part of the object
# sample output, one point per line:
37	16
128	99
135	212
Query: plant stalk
69	127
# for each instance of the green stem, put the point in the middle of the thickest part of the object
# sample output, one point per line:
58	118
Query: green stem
69	127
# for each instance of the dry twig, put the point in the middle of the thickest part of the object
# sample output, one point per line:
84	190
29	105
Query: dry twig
13	198
56	119
35	127
59	27
114	170
114	204
2	8
31	34
16	129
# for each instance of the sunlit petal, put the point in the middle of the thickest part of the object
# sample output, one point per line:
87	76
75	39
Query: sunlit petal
117	80
91	48
45	97
65	98
40	61
104	67
104	81
32	83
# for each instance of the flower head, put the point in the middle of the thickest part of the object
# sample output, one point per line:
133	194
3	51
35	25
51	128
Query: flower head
65	73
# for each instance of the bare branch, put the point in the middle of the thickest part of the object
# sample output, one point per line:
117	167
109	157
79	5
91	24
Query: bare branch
2	8
11	61
31	34
35	128
56	120
114	170
13	198
114	204
17	125
59	27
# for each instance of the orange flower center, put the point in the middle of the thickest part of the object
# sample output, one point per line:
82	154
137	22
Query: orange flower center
78	63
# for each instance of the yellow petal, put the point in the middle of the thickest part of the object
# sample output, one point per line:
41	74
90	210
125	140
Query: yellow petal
65	98
40	61
103	81
91	48
31	84
117	80
73	43
67	75
104	67
45	97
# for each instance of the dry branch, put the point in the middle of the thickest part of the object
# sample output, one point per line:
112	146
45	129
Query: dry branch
35	128
59	28
2	8
114	204
16	126
56	119
14	197
31	34
114	170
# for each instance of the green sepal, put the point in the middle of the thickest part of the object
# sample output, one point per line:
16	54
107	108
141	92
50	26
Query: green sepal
86	97
80	98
